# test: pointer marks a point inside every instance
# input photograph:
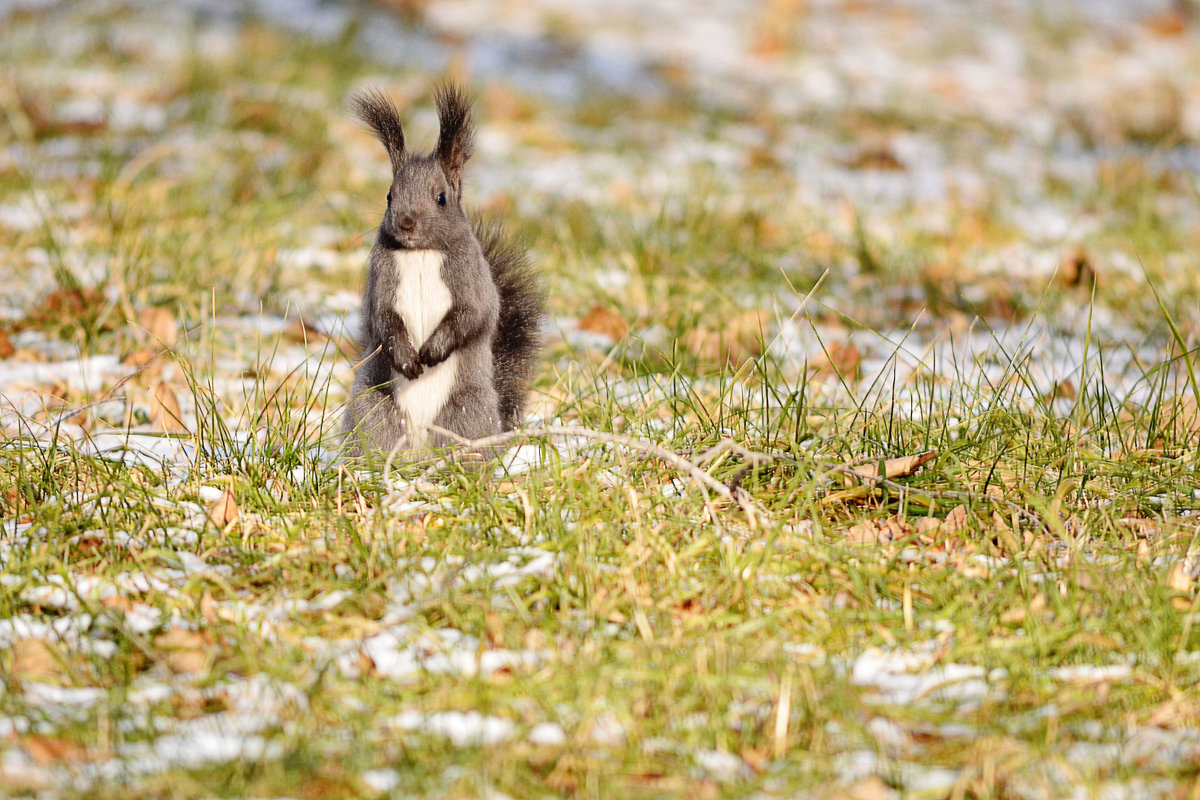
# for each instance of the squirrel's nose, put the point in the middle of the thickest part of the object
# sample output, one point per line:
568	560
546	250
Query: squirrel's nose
407	222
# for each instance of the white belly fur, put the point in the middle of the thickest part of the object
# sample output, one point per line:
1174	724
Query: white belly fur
422	297
422	300
421	400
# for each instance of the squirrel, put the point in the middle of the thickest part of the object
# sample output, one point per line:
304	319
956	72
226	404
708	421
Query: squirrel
452	307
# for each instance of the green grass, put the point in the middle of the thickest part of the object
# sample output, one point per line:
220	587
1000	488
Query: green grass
667	624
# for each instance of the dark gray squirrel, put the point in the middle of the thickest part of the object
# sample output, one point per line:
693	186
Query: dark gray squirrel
452	308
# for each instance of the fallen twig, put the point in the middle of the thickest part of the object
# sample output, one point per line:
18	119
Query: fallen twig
673	459
728	490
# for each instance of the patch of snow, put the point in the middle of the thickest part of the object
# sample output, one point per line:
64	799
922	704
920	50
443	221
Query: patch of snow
1088	673
891	675
923	781
19	217
44	693
607	731
401	654
205	746
547	734
380	780
525	457
463	728
142	618
722	766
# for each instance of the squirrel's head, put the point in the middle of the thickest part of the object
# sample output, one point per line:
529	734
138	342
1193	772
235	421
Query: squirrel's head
425	201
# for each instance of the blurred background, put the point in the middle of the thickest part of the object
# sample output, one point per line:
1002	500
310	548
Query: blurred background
685	171
957	234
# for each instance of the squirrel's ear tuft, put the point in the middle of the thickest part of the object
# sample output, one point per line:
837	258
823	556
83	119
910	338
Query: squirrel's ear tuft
455	141
378	111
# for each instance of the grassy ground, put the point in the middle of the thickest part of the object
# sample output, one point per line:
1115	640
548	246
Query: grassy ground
784	603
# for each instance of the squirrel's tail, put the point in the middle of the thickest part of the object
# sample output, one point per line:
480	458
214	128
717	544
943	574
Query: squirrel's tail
518	341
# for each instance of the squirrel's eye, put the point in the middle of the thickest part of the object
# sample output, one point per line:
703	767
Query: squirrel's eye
389	197
441	200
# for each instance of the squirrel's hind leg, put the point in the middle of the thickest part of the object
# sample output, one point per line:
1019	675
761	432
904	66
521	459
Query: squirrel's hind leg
473	412
372	424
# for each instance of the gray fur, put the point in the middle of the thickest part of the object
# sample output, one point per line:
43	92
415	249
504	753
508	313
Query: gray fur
414	220
518	339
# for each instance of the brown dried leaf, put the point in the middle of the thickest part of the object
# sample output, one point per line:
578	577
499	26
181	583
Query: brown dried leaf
495	628
1014	616
893	468
139	358
165	411
776	26
872	788
118	601
51	396
6	345
159	325
956	520
301	332
1177	712
36	660
44	750
208	608
1179	578
893	529
82	419
9	501
737	341
837	358
27	355
928	524
877	156
81	307
970	568
1018	614
1167	23
43	123
1063	390
1181	414
1077	269
224	510
871	532
605	322
507	105
757	758
1143	551
184	651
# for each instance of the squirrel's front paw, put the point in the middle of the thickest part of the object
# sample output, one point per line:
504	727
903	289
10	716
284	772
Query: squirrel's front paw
435	350
405	360
410	370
